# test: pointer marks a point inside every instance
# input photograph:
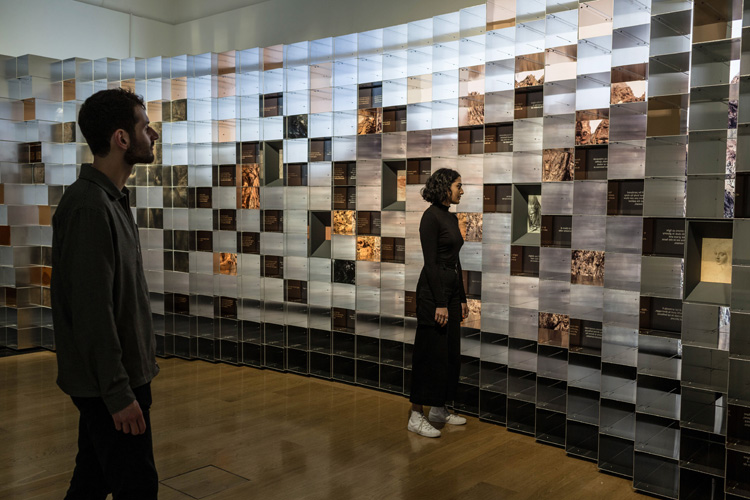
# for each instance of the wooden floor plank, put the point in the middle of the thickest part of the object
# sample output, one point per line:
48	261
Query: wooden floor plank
291	437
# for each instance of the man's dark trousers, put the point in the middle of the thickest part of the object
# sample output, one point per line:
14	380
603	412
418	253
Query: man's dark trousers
110	461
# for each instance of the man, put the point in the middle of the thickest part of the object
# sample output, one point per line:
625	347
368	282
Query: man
100	305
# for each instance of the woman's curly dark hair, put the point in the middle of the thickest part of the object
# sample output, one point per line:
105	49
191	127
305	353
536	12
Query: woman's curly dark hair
438	186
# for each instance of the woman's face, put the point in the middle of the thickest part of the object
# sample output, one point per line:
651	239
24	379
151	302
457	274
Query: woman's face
456	191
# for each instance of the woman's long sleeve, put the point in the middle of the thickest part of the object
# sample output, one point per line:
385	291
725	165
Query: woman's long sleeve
461	290
429	231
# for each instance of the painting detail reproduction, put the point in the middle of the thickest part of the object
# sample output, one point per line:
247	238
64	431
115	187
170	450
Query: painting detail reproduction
716	260
534	222
587	268
470	225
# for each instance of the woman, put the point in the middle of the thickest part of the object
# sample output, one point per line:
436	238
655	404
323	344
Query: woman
441	306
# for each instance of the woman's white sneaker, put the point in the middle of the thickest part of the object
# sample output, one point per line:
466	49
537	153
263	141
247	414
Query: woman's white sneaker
418	423
442	415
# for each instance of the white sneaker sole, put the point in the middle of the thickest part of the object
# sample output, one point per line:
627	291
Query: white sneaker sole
427	434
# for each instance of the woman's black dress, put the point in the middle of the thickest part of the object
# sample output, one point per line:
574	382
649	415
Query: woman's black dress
436	361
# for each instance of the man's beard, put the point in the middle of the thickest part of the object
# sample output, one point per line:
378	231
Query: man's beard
139	152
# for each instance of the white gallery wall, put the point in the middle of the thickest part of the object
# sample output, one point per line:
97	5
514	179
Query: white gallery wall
62	29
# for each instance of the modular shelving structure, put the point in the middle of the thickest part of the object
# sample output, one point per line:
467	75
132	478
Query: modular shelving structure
602	150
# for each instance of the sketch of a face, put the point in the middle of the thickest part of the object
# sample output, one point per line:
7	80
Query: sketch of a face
721	257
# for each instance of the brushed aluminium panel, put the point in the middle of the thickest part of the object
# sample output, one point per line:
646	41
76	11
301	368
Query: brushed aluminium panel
444	141
524	292
554	296
319	270
368	273
592	89
248	265
226	286
320	198
344	148
589	232
496	228
369	146
558	198
527	166
498	168
319	174
527	134
559	130
471	256
414	200
741	242
419	143
560	98
470	167
523	324
495	288
496	258
296	314
590	197
393	224
621	308
249	220
273	291
554	264
343	247
620	345
368	300
587	302
204	263
594	56
369	172
297	198
498	105
627	122
225	241
344	296
495	318
394	145
296	268
320	294
627	160
392	277
664	197
624	235
272	198
623	271
391	304
369	197
251	287
661	276
295	221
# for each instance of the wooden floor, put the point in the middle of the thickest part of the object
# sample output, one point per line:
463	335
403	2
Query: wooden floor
226	432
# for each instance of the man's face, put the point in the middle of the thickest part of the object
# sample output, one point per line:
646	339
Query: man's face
141	148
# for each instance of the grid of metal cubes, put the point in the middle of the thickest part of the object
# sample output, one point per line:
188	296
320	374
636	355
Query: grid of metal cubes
606	264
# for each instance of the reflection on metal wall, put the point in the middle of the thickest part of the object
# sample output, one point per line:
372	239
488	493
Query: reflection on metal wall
604	216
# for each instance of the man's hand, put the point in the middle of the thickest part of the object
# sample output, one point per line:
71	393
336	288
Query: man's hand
130	419
464	311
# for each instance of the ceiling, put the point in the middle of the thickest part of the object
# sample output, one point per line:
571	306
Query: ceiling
172	11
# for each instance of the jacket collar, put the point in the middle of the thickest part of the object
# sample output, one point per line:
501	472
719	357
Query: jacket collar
89	173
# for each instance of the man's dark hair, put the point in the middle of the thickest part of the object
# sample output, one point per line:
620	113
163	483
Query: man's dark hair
438	186
107	111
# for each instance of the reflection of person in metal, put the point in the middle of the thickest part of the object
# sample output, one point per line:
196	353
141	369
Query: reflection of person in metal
441	306
535	214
